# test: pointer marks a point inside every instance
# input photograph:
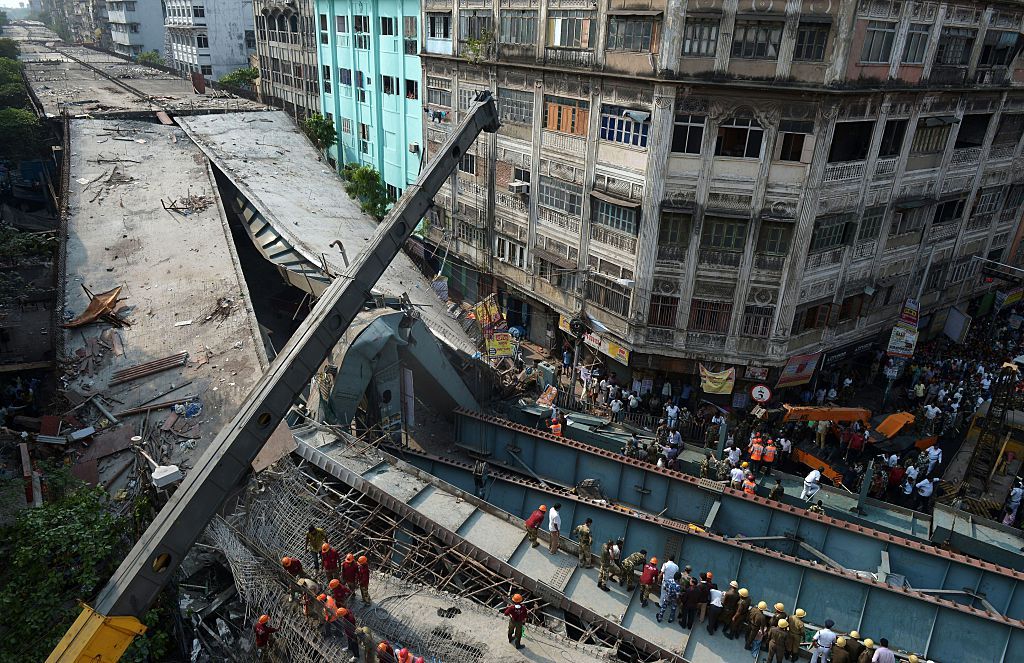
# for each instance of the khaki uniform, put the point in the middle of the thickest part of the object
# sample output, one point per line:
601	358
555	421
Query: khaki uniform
586	540
729	602
776	493
777	638
708	468
756	620
628	565
609	567
366	646
739	618
855	647
796	634
866	655
840	655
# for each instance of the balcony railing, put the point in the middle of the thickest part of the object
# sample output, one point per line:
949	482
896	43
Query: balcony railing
661	336
1002	151
702	340
574	145
947	75
947	230
672	252
966	156
1008	215
569	57
886	167
844	171
559	219
511	201
979	221
864	250
825	258
716	258
767	262
605	235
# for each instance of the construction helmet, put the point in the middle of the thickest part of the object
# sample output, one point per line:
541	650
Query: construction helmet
744	593
654	560
783	623
341	612
322	597
264	619
762	606
419	659
744	464
710	575
800	612
517	598
780	607
734	584
383	646
542	507
334	584
285	561
913	658
324	548
350	558
362	559
869	643
840	641
855	635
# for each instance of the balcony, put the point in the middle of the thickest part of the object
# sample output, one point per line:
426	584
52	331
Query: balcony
437	46
517	52
886	167
702	340
672	253
825	258
767	262
620	241
844	171
999	152
965	156
569	57
509	201
284	37
563	221
661	336
945	231
979	221
716	258
864	250
947	75
1008	215
564	143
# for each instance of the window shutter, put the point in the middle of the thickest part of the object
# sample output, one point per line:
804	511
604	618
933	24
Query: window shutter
808	152
585	37
582	121
778	146
849	232
553	31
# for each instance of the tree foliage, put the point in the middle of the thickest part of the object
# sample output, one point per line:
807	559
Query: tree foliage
10	71
240	78
9	49
320	131
365	185
20	132
12	95
3	18
150	58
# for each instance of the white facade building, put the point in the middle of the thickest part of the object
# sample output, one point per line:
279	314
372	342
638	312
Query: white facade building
210	37
136	26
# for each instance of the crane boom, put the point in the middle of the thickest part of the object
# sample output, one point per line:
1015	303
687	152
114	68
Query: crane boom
102	633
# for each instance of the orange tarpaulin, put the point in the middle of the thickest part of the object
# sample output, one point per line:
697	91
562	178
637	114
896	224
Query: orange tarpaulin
100	306
894	423
826	413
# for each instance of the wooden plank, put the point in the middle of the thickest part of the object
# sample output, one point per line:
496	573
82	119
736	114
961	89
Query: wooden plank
88	471
25	366
108	443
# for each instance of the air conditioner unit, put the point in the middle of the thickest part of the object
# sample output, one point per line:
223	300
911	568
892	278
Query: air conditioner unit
414	148
518	187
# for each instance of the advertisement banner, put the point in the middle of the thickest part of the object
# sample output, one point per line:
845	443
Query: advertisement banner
911	312
957	324
755	373
548	397
602	345
721	382
488	315
1007	299
499	345
902	341
798	370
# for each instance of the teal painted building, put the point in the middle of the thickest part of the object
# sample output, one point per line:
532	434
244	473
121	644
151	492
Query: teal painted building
370	84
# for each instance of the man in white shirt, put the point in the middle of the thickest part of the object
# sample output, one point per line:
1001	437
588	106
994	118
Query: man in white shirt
925	488
811	484
893	460
883	654
554	527
714	609
616	408
912	472
734	456
668	571
1014	500
934	458
823	642
672	414
736	477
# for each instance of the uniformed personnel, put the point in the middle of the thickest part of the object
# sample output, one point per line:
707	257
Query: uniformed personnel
839	652
735	628
777	639
586	542
756	620
796	634
609	565
854	646
628	576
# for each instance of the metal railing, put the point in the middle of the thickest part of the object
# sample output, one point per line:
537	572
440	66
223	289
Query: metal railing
717	258
825	258
844	171
661	336
966	156
769	262
672	252
1002	151
608	236
886	167
569	57
555	218
575	145
704	340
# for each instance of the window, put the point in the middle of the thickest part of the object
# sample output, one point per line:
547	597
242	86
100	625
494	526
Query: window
878	42
792	147
892	138
616	217
389	84
1010	129
662	311
392	191
520	174
326	69
851	307
757	321
474	24
688	133
630	34
757	40
439	26
850	141
930	137
608	294
569	29
467	97
955	46
206	70
518	26
972	131
198	11
1014	198
250	39
566	115
467	164
341	24
410	32
700	37
508	251
739	137
361	24
774	238
813	317
811	39
620	125
987	202
871	224
324	37
345	76
905	221
364	131
999	48
561	196
346	125
830	232
674	230
439	97
710	316
412	89
916	44
725	234
202	41
515	106
387	26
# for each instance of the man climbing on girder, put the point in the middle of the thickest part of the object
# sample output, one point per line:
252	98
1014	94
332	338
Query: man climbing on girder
517	614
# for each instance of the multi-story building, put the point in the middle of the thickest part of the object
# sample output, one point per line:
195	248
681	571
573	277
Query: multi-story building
82	21
286	45
370	85
136	26
734	184
207	36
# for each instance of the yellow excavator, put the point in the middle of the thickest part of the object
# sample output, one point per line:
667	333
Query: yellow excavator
103	631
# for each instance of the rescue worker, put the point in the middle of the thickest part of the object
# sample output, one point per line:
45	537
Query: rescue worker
363	577
854	646
796	634
331	626
329	556
817	507
533	522
777	638
708	467
309	589
292	566
868	653
348	627
648	578
777	492
339	591
517	614
756	450
404	655
823	642
749	485
555	428
770	452
839	652
263	631
609	565
315	537
348	572
729	603
670	592
586	543
629	565
365	639
734	628
756	620
385	652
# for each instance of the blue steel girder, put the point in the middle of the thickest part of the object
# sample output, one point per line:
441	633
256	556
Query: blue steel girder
681	497
942	629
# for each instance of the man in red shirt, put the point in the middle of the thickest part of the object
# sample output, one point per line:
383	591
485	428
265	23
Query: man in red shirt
348	572
292	566
363	577
339	591
348	625
329	557
517	614
533	522
263	631
648	576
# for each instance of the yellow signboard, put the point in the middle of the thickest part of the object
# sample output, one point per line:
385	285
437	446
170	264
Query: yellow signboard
499	345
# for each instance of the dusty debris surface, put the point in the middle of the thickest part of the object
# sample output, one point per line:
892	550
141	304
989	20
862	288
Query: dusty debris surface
154	370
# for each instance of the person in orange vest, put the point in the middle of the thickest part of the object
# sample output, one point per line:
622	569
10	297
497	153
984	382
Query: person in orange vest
770	451
556	428
348	626
533	522
339	591
329	557
263	631
363	577
404	655
348	572
330	615
756	452
749	485
517	614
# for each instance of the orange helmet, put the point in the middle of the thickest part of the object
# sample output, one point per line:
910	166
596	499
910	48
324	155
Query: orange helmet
285	561
710	575
542	507
654	560
362	559
264	619
334	584
383	646
517	598
341	612
322	597
324	548
403	652
350	558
